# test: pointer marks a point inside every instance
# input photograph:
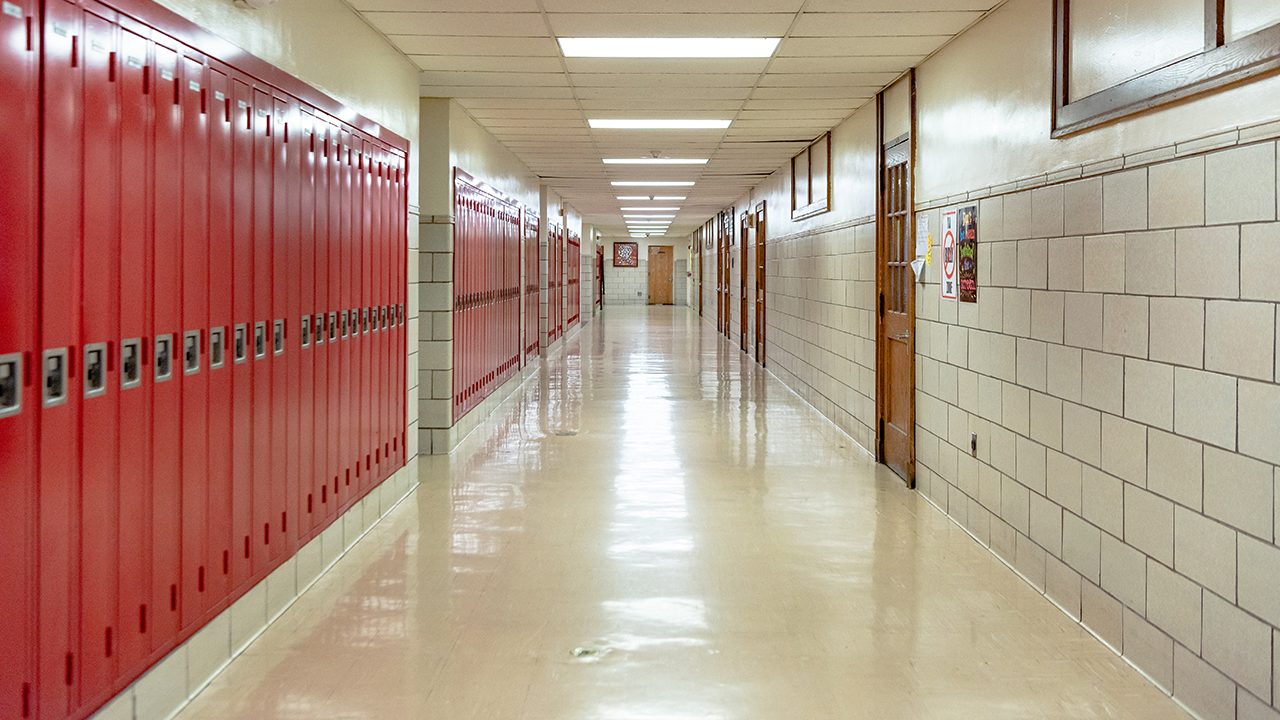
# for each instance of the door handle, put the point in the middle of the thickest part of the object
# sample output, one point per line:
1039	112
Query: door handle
903	337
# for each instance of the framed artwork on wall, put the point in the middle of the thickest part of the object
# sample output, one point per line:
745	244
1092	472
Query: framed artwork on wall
626	254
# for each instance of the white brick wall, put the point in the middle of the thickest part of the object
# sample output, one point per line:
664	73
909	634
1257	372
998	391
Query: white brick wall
1142	417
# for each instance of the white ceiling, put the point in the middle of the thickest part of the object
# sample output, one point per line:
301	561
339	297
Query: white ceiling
500	59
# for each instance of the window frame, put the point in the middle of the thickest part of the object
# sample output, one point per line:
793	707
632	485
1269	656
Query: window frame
811	207
1219	65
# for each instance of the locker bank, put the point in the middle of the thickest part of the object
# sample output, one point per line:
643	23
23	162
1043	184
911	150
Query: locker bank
549	359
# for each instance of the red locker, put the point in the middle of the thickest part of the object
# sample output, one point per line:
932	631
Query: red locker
195	322
368	228
99	329
135	386
60	324
264	428
320	310
346	294
276	538
244	364
304	309
19	353
166	369
334	458
222	290
294	152
532	283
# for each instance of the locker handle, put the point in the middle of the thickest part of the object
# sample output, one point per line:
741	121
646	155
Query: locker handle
111	66
131	363
55	376
95	372
10	384
75	51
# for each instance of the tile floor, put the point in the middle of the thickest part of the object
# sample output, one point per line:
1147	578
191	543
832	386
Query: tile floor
710	546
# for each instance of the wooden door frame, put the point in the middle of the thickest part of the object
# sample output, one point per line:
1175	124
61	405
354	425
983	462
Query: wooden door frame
762	237
882	376
742	280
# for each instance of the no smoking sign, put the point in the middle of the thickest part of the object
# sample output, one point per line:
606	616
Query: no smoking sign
949	255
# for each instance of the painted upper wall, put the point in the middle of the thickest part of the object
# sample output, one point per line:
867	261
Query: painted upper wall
476	151
327	45
983	105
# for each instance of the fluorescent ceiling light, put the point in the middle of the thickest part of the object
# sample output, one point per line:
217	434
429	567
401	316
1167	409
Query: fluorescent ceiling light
652	183
650	208
669	47
651	197
613	124
648	217
655	161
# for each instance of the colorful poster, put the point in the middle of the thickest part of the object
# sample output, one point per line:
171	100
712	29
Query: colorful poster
949	269
968	249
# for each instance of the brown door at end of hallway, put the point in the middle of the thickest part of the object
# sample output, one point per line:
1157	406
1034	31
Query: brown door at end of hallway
896	341
661	269
761	218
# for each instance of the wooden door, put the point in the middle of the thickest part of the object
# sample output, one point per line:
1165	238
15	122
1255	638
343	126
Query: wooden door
760	281
743	232
896	295
726	275
719	275
661	270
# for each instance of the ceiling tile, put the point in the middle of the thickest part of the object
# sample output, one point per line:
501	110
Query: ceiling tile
476	45
881	24
461	23
727	24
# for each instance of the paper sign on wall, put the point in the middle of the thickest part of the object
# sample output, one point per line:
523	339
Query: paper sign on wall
949	269
967	241
922	235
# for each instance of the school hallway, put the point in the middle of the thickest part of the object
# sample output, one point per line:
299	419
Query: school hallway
708	544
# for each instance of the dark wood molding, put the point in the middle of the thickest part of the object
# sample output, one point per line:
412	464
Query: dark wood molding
811	207
1221	65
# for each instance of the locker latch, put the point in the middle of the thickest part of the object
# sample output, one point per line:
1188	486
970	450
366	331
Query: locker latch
240	352
364	321
333	326
55	377
95	370
320	331
217	347
164	357
131	363
191	352
10	384
259	340
305	330
277	336
342	317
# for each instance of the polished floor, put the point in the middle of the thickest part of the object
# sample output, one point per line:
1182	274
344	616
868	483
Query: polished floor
656	529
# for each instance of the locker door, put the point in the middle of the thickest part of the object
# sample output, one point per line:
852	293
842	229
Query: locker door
334	459
304	310
220	350
329	299
381	372
244	364
260	342
366	301
295	153
19	394
135	280
166	513
347	293
320	310
60	323
99	330
360	243
194	376
281	485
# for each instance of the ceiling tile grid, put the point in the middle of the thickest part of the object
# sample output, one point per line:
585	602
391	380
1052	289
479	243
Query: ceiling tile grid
501	60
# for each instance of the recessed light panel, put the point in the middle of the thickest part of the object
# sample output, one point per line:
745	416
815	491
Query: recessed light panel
652	183
651	197
655	161
615	124
682	47
647	209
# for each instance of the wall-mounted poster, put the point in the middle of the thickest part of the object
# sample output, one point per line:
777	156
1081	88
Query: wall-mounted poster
949	270
967	242
626	254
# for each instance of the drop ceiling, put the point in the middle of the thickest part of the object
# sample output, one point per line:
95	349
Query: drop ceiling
501	61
